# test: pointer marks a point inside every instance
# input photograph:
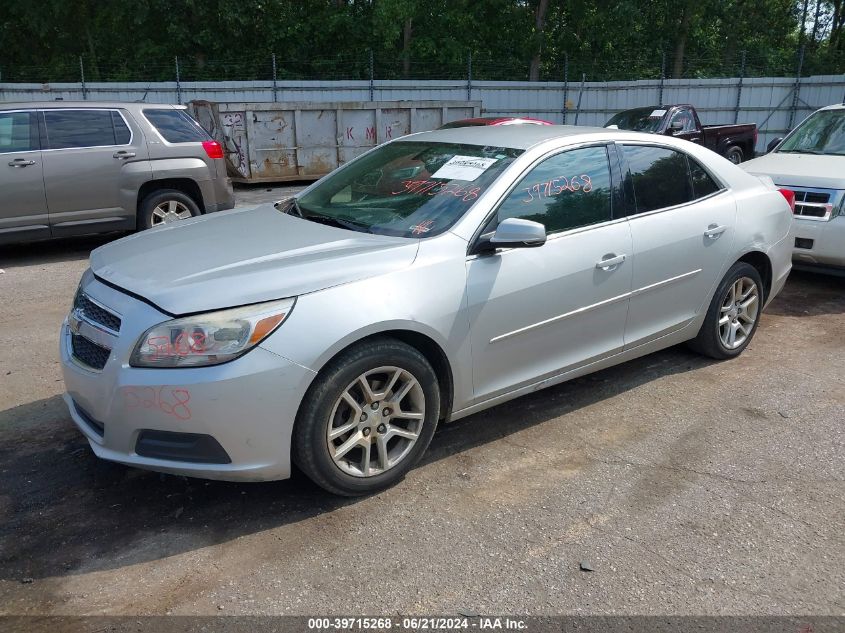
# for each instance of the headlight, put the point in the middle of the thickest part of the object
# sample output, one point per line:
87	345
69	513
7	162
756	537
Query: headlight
211	338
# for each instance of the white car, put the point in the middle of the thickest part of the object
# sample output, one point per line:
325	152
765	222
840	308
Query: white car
810	161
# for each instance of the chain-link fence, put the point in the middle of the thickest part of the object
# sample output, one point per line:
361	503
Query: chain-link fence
365	66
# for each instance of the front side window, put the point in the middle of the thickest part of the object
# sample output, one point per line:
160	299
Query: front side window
661	177
176	126
80	128
17	133
569	190
408	188
683	118
822	133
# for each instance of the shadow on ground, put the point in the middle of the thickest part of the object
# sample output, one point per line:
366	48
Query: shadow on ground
61	506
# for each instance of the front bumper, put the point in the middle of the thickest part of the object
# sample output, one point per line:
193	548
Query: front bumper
247	406
821	243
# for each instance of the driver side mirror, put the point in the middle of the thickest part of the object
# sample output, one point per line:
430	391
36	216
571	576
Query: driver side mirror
676	126
773	144
513	233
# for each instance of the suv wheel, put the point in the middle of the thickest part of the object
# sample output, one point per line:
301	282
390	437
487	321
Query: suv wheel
367	419
165	206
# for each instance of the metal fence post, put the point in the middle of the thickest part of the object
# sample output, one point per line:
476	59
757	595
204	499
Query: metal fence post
178	82
469	76
662	77
372	75
580	92
796	89
739	87
565	84
82	79
275	87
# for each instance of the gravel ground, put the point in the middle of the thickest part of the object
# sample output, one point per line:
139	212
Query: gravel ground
689	486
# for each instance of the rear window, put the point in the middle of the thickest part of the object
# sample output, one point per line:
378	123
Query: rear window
84	128
176	126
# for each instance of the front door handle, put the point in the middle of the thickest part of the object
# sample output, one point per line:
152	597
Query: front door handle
123	155
610	262
21	162
714	230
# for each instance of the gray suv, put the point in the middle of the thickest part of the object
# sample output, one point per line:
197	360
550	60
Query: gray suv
76	168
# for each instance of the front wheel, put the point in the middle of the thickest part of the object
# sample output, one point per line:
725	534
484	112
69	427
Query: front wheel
367	419
733	314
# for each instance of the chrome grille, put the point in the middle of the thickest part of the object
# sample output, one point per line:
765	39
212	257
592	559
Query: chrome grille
96	313
88	353
812	204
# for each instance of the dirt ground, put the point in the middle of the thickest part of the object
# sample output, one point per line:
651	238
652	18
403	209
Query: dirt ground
689	486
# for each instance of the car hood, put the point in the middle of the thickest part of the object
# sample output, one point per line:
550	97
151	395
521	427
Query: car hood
240	257
800	170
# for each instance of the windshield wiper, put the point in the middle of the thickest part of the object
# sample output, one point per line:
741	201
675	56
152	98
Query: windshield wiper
817	152
329	220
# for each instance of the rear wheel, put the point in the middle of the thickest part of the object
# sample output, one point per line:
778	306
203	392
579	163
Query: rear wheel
734	154
733	315
367	419
164	207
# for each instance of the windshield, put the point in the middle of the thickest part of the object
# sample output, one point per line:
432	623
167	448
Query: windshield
822	133
406	188
638	120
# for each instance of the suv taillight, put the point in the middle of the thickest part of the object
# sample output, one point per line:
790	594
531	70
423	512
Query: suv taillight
213	149
790	198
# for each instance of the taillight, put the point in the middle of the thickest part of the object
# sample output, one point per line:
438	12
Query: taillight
213	149
790	198
755	136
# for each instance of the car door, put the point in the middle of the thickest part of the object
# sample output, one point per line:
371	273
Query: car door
682	228
535	312
23	205
93	164
685	117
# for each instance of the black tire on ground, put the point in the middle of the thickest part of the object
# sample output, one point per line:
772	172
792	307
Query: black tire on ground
709	342
735	154
161	196
310	451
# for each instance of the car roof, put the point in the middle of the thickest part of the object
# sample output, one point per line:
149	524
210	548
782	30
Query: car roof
835	106
519	136
46	105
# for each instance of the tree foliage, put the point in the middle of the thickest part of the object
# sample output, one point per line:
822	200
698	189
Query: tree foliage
43	40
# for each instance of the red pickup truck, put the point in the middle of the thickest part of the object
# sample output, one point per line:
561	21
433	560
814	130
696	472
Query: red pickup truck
734	142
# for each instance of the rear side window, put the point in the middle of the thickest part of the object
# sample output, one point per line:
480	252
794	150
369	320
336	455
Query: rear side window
661	177
702	183
17	132
84	128
565	191
176	126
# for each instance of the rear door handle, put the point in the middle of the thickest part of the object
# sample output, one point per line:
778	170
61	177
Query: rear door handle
123	155
20	162
610	262
714	230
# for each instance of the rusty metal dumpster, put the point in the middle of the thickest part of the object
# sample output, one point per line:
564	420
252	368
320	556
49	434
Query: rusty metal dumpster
270	142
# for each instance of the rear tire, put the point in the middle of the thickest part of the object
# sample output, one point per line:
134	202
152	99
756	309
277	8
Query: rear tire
735	154
165	206
354	440
733	315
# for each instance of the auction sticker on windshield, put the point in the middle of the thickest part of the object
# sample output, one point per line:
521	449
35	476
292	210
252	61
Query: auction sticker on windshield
464	168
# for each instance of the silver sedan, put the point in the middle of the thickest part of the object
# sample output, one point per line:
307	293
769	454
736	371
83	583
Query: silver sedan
430	278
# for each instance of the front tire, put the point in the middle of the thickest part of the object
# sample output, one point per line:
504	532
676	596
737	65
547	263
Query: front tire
733	315
367	419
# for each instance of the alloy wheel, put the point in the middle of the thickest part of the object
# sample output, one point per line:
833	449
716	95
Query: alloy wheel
739	312
170	211
376	421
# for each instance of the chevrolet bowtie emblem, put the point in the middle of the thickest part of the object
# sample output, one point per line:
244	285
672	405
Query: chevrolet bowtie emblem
74	321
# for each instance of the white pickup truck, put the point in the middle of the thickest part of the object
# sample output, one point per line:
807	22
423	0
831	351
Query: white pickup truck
810	161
